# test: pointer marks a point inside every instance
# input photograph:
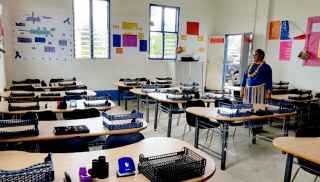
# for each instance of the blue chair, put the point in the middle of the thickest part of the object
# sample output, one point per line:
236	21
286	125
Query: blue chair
114	141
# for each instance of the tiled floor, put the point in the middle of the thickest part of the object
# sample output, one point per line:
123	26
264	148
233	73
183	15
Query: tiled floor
245	162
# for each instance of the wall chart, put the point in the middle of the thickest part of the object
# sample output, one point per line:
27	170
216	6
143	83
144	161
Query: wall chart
42	37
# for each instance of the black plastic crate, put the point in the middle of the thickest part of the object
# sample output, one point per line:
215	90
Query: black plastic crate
171	167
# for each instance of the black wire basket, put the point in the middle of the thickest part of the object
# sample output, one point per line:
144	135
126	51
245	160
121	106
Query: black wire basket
171	167
31	131
42	172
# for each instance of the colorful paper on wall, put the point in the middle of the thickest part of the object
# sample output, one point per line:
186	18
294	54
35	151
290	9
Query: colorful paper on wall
116	40
285	50
285	29
129	40
143	46
141	35
274	30
193	28
315	27
313	41
200	38
115	26
130	25
119	50
319	50
217	40
201	49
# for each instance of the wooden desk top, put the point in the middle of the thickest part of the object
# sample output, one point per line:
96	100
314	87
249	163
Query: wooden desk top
7	94
305	148
51	105
212	114
94	124
138	91
285	97
70	162
121	84
162	97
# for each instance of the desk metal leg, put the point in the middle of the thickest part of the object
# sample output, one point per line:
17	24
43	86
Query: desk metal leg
287	175
286	126
148	109
138	101
119	97
224	148
126	104
156	116
196	137
169	122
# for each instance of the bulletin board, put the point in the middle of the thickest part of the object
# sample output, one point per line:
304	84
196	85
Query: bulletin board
193	41
128	36
40	36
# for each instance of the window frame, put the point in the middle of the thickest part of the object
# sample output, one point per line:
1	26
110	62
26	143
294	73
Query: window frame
91	56
163	30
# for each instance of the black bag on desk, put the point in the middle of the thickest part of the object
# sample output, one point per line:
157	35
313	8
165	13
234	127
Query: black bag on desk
67	130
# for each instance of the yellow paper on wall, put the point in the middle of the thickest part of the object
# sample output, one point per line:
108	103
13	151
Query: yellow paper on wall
129	25
184	37
127	33
200	38
140	36
319	50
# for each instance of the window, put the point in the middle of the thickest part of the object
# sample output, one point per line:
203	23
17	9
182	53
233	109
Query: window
164	28
92	28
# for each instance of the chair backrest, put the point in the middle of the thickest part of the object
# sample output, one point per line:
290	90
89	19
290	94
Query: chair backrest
22	88
47	116
254	94
191	118
81	114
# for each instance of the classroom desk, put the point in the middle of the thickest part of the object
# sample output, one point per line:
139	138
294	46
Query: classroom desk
285	97
139	93
124	88
211	114
304	148
53	85
70	162
7	94
162	98
95	126
51	106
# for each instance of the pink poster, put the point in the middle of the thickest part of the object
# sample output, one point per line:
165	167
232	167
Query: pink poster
285	50
129	40
313	41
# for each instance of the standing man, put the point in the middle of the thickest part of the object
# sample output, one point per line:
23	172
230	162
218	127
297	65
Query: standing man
258	73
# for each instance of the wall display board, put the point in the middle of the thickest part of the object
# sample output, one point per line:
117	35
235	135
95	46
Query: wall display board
42	37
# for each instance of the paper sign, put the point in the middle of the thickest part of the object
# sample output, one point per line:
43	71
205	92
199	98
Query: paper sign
141	35
313	41
129	40
116	40
143	46
285	50
184	37
129	26
200	38
193	28
319	50
216	40
274	30
119	50
285	29
316	27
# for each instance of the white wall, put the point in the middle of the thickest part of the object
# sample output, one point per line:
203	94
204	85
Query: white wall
100	74
296	12
234	16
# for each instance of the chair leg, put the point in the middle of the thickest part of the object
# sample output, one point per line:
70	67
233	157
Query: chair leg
295	174
211	137
184	131
315	179
207	136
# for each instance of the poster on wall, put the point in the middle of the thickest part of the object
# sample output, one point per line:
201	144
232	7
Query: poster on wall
39	36
274	30
285	50
313	41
